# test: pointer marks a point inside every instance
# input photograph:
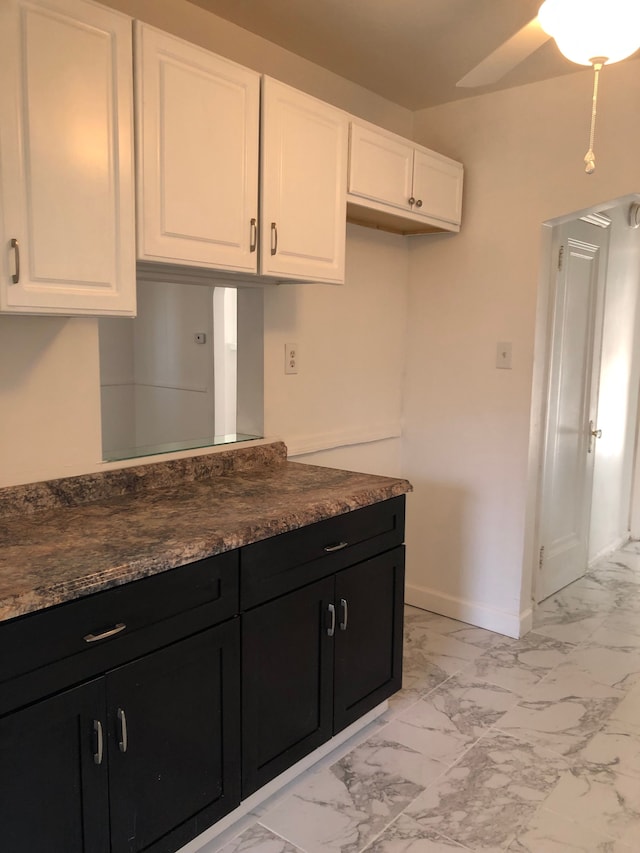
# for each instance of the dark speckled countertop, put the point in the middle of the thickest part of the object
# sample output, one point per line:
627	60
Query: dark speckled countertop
63	539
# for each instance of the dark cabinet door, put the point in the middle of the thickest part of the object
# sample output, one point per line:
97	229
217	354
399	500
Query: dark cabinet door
174	750
368	641
53	775
287	690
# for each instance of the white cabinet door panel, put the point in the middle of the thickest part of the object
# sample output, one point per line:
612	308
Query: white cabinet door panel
304	171
380	167
437	183
197	116
66	158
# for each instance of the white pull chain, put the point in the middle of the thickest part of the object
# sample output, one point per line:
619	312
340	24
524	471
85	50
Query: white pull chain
590	157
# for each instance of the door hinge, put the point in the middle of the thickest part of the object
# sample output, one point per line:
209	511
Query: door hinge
541	558
560	257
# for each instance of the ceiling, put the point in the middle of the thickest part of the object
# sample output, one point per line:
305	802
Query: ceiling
409	51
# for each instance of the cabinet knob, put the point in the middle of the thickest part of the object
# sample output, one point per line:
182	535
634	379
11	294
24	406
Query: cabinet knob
419	203
274	238
412	200
253	242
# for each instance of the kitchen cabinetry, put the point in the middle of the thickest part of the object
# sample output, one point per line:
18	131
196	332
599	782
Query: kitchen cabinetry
304	169
66	159
197	119
121	713
145	754
399	186
319	657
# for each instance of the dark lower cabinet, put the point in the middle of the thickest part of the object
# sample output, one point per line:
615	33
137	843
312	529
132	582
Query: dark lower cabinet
317	659
53	790
134	719
174	741
368	647
287	685
141	759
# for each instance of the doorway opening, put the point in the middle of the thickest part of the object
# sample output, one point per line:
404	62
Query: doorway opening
588	357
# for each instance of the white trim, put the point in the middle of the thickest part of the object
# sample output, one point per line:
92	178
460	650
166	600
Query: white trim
299	445
620	542
481	615
268	790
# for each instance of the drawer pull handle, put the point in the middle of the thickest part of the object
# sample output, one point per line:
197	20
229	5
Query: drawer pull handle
345	614
274	238
97	755
110	632
123	743
332	625
253	242
337	547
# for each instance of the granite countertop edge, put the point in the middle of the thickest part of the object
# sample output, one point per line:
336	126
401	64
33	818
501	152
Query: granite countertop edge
57	581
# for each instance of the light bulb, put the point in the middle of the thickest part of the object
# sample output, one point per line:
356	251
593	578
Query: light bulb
589	29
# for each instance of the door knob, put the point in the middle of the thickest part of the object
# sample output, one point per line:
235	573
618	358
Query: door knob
593	433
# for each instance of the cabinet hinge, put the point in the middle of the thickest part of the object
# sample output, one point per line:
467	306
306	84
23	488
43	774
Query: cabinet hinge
541	558
560	257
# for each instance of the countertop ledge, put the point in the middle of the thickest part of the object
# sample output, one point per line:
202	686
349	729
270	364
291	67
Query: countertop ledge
72	547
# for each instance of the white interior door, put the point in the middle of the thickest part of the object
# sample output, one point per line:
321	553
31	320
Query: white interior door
577	309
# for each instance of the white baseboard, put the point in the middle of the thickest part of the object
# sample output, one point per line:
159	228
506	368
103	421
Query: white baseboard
471	612
620	542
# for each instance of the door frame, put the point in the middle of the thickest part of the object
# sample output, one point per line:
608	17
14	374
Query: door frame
539	392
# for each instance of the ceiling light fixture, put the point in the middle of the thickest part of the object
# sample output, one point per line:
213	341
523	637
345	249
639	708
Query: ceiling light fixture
593	32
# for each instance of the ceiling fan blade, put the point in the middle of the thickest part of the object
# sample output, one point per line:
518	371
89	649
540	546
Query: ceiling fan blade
511	53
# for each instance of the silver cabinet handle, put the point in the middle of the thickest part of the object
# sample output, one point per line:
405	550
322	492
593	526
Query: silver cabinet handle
337	547
419	203
332	626
254	235
274	238
110	632
412	200
15	278
97	755
123	743
345	614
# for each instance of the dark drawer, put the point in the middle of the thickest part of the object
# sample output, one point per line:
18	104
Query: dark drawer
286	562
39	639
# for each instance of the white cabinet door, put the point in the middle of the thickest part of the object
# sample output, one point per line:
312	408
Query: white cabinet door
437	186
304	182
66	155
380	167
197	152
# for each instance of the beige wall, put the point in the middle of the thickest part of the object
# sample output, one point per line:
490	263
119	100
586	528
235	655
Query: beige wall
200	27
467	424
348	390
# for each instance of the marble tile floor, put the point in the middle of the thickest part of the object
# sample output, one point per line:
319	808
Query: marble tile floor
493	744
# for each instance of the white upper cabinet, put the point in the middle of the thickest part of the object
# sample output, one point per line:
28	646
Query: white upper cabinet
304	178
197	122
66	159
400	186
